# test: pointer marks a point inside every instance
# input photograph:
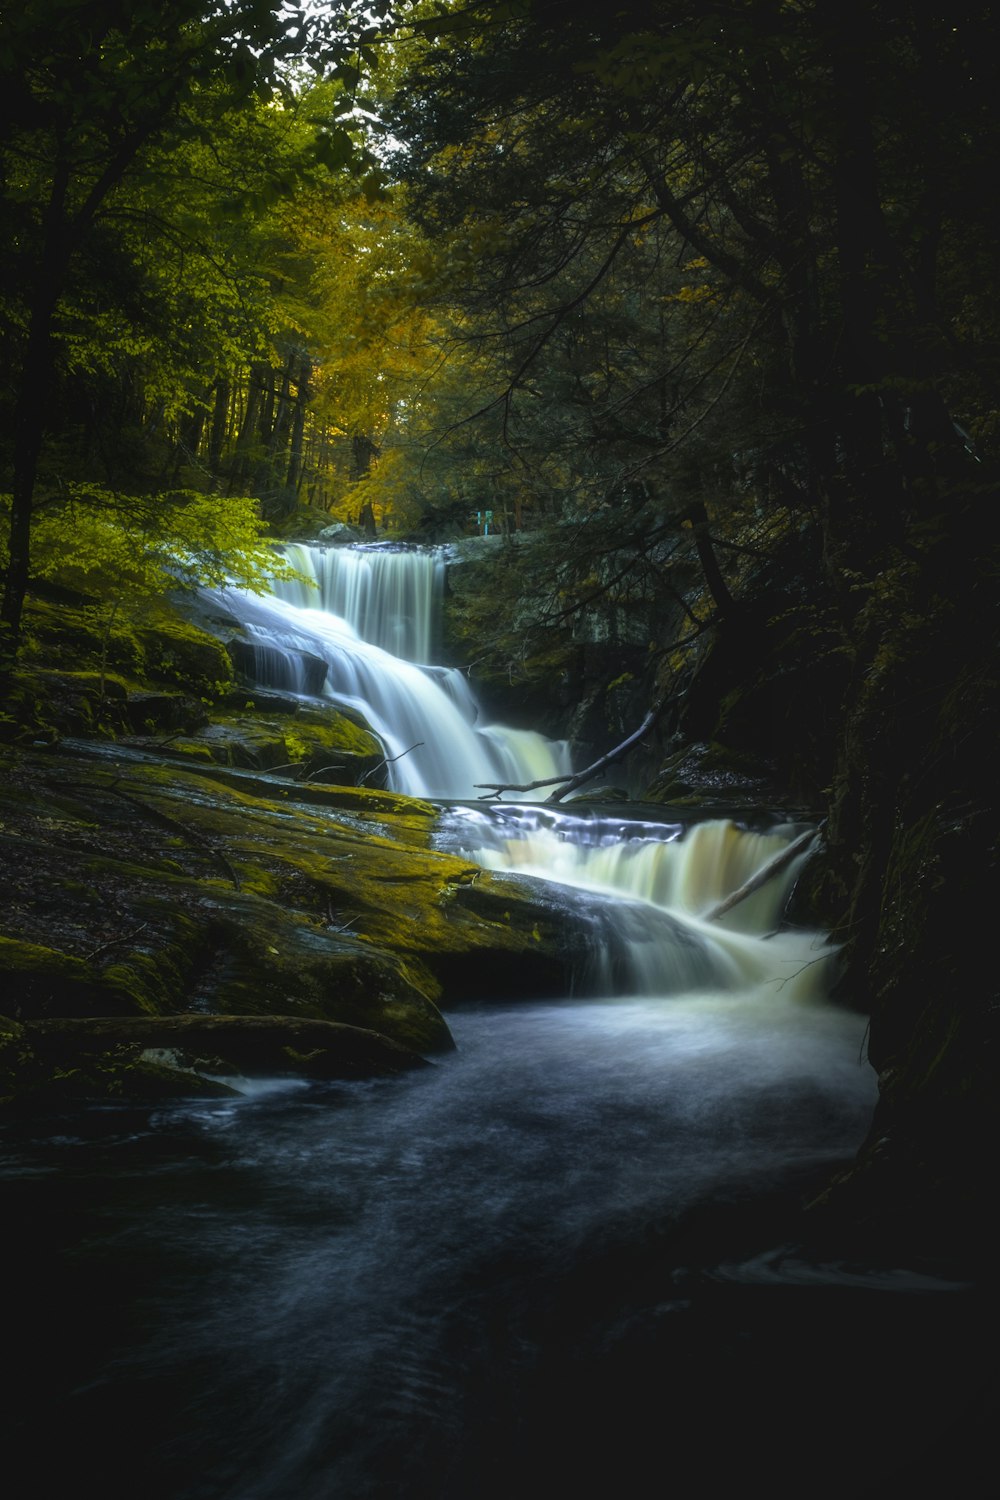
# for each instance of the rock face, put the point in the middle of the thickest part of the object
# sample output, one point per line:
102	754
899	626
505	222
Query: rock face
141	1058
135	888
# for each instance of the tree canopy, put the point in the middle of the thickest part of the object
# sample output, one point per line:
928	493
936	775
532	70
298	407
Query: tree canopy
660	273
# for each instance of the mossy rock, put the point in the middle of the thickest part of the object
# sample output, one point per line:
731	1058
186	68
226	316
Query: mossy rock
212	889
85	636
92	703
37	981
180	653
327	747
65	1063
159	713
161	647
713	774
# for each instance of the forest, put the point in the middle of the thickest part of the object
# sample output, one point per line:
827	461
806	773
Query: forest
693	307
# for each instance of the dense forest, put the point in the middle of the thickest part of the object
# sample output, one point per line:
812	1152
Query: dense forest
696	301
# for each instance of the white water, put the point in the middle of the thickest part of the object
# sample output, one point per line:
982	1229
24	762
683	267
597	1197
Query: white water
534	1269
390	597
436	739
661	881
651	935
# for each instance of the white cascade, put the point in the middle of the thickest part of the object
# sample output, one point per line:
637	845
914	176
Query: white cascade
653	933
390	596
644	890
436	741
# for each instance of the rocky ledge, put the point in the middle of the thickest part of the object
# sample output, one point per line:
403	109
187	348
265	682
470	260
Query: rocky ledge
153	903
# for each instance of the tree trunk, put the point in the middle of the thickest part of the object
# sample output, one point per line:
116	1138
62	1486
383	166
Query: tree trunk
717	586
220	416
30	412
293	479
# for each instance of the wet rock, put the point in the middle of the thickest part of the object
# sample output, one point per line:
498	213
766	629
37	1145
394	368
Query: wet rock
307	743
253	1046
162	713
706	775
252	662
144	888
341	532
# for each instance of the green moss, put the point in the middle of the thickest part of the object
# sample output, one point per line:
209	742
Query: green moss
179	653
40	981
60	632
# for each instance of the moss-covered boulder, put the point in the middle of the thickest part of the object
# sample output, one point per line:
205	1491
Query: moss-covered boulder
37	981
160	647
308	742
714	775
52	1064
142	888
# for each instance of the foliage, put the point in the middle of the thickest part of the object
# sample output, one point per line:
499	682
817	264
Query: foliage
129	546
144	151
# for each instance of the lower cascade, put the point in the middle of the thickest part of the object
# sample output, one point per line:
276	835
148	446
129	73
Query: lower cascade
656	930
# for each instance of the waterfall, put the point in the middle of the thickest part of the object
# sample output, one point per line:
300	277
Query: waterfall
389	596
653	934
436	741
360	631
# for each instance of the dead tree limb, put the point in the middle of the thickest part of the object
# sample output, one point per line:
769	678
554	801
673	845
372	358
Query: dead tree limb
322	770
570	782
767	872
126	937
388	761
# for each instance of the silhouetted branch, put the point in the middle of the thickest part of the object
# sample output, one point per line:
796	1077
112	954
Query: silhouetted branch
572	780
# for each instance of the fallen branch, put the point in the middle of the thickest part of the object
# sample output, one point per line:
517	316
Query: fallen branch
321	771
126	937
572	780
772	868
388	761
286	765
331	918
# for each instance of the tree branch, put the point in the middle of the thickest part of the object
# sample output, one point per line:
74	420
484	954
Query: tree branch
571	781
772	868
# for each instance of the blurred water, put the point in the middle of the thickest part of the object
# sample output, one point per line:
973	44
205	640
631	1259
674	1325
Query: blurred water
566	1260
538	1264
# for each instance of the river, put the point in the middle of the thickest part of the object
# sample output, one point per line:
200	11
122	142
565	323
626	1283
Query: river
566	1260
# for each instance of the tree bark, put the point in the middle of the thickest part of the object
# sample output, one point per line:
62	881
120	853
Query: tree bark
30	409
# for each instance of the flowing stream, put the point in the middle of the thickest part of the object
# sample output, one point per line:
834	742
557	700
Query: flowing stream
561	1262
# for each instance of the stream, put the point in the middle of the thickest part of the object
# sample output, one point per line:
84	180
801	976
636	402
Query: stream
566	1260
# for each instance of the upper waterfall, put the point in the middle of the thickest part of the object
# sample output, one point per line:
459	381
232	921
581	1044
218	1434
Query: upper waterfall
330	636
390	596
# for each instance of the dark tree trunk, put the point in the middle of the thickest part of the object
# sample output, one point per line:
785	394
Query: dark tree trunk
30	412
717	586
248	428
363	451
220	419
293	479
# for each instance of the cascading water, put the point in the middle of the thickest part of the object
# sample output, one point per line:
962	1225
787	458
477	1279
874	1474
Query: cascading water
558	1262
427	718
389	596
370	614
657	933
366	618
